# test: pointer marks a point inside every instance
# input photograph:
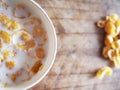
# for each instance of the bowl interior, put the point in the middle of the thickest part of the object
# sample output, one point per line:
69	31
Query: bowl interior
52	43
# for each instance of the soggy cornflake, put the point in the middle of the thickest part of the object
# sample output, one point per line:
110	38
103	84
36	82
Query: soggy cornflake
15	75
29	45
5	84
25	40
40	53
19	11
38	31
36	67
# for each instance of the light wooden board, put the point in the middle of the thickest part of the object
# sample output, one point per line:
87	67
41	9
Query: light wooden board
80	45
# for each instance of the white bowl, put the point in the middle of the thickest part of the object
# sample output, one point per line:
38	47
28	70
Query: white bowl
52	44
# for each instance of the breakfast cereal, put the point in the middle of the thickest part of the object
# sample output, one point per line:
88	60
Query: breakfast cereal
23	42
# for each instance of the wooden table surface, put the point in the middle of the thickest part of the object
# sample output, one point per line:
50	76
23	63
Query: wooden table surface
80	45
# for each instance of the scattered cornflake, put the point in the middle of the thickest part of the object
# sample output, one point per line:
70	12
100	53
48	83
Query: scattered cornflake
103	71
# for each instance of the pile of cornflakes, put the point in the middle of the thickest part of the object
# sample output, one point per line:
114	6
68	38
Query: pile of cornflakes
111	50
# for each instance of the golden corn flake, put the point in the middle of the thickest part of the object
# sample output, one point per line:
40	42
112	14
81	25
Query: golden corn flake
8	23
105	52
13	25
5	54
108	40
112	18
117	23
117	52
5	36
110	27
103	71
111	54
116	44
10	64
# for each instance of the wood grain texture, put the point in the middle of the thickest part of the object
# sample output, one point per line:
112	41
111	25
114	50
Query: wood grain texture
80	44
